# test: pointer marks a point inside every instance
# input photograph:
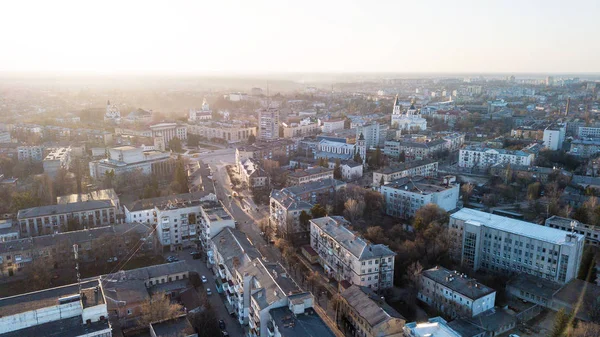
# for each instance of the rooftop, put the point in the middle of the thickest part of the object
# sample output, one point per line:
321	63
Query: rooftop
405	166
436	326
175	327
514	226
337	228
68	327
146	204
274	282
288	200
235	248
422	185
534	285
458	282
63	208
369	306
309	324
310	171
479	148
217	213
314	186
107	194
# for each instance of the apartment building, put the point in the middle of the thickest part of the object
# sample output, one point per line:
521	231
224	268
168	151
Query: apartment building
268	124
454	294
436	326
108	194
284	216
364	313
55	218
302	129
454	140
373	133
584	148
272	150
315	191
128	159
413	150
143	211
590	232
589	132
346	256
229	132
332	125
57	159
404	197
30	153
424	168
8	231
482	157
178	224
299	177
214	219
499	244
78	310
528	172
554	136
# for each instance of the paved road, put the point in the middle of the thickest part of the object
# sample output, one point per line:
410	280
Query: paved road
216	300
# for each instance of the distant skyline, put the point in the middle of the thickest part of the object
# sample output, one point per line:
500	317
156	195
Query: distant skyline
271	37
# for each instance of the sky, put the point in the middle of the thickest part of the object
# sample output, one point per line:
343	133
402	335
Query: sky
328	36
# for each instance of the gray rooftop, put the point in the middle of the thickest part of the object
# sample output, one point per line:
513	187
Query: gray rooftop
310	171
288	200
176	327
457	282
234	247
63	208
68	327
405	166
534	285
144	204
314	186
421	185
106	194
71	238
146	273
337	228
369	306
465	328
304	325
274	281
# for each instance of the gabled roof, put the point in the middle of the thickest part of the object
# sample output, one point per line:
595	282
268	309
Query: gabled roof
369	306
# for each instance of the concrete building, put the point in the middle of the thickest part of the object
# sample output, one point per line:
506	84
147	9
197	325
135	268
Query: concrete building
332	125
590	232
413	150
350	169
284	216
178	224
168	131
454	294
586	132
454	140
8	231
482	157
346	256
584	148
373	133
364	313
63	311
436	326
405	196
252	174
272	150
229	132
214	219
296	130
57	159
106	194
330	149
268	124
30	153
554	136
316	191
143	210
424	168
55	218
130	159
299	177
499	244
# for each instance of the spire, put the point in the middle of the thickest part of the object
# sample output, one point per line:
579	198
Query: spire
361	137
412	104
396	100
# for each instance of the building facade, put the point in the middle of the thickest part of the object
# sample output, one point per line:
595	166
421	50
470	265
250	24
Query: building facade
409	121
268	124
57	159
129	159
482	158
229	132
554	136
30	153
300	177
423	168
284	216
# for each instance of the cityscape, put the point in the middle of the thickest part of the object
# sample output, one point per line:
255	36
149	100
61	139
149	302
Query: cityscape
318	191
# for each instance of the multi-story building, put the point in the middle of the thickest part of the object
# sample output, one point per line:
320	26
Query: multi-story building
529	172
589	132
350	169
315	192
55	218
364	313
331	149
57	159
584	148
405	196
294	130
454	294
30	153
178	224
214	219
268	124
590	232
8	232
373	133
554	136
535	131
300	177
168	131
229	132
284	216
106	194
346	256
128	159
424	168
413	150
410	120
78	310
499	244
5	137
482	157
454	140
436	326
272	150
143	210
332	125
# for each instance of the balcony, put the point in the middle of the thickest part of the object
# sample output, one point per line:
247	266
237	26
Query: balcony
270	329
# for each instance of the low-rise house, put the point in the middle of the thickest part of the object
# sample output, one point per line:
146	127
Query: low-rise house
364	313
404	197
454	294
345	255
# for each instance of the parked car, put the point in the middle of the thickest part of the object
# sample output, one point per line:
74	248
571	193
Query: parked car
208	292
204	280
222	324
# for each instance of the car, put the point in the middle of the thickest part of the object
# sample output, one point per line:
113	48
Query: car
208	292
204	280
221	324
224	333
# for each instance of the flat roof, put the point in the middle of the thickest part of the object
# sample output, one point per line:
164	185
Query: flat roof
514	226
420	185
176	327
309	324
458	282
68	327
405	166
63	208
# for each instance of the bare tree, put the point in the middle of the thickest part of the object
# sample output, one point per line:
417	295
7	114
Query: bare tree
158	308
413	274
353	209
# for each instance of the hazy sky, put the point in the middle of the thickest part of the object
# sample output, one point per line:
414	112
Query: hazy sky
254	36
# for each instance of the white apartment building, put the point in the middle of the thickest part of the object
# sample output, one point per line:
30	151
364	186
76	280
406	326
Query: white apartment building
454	294
332	125
178	224
57	159
345	255
423	168
373	133
589	132
168	131
554	136
143	211
482	158
268	124
302	129
404	197
128	158
590	232
214	219
454	140
499	244
229	132
30	153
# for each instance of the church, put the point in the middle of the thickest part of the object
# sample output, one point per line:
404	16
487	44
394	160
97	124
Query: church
410	121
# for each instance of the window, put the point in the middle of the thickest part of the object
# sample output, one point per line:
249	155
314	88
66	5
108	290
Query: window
129	312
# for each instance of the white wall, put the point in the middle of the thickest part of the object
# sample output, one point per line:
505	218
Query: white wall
40	316
94	313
